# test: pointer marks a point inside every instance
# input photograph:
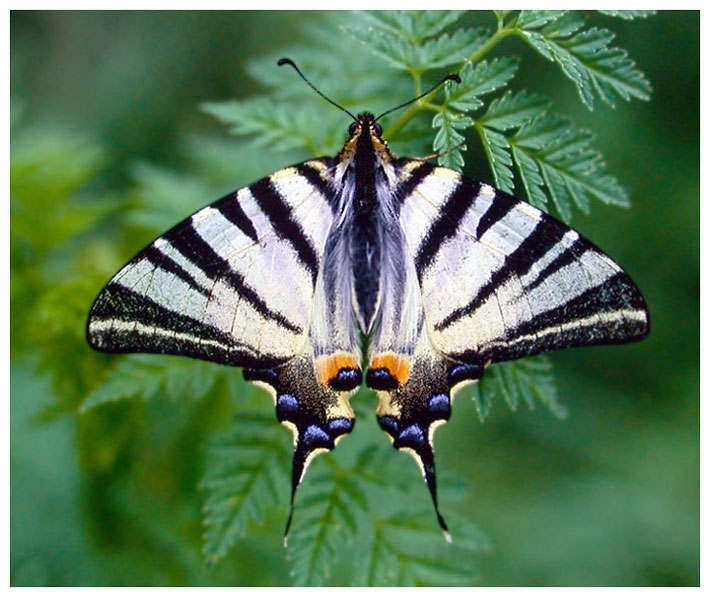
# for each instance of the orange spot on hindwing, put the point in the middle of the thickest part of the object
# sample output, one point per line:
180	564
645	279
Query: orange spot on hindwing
338	371
388	371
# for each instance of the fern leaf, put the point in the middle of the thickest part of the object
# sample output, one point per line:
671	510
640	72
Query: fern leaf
530	380
628	15
428	23
413	553
568	165
149	377
513	110
246	473
534	19
449	140
413	47
477	80
497	149
585	57
327	520
161	197
531	179
413	25
272	125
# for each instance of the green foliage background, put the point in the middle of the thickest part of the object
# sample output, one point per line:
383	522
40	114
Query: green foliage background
115	461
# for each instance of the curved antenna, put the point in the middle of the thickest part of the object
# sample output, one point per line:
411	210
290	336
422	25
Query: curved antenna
411	101
290	62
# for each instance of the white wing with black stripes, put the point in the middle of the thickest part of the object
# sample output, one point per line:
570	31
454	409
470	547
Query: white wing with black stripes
524	282
212	287
498	280
235	284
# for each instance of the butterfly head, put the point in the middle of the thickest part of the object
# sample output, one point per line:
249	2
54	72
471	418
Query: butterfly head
364	137
368	123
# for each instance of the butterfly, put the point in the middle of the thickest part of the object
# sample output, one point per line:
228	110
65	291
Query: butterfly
366	267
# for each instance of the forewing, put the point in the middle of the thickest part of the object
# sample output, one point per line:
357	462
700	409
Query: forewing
233	283
502	280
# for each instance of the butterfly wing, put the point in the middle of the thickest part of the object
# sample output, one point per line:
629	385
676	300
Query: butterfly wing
501	280
497	280
234	284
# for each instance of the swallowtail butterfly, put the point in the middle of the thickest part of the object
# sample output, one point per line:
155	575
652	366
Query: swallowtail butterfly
366	266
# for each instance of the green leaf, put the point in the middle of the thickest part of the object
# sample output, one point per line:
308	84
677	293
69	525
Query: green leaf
569	165
498	151
328	518
405	551
477	80
161	198
411	42
628	15
151	376
513	110
556	163
528	380
531	179
534	19
246	474
413	25
585	56
48	169
449	140
277	126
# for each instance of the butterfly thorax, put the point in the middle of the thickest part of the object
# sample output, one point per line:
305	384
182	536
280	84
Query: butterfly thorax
368	207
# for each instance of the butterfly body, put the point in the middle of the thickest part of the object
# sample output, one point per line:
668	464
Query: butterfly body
369	267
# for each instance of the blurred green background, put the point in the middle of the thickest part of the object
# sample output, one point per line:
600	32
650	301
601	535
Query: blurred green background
609	496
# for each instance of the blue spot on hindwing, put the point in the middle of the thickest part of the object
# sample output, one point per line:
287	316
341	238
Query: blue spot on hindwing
412	437
286	406
440	406
346	379
461	373
340	426
315	436
389	424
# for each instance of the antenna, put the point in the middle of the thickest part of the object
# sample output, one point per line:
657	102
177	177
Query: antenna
411	101
290	62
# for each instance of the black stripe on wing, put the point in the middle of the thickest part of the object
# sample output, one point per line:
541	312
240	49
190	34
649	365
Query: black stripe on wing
544	237
416	176
229	207
315	179
110	329
160	260
612	313
447	224
284	224
197	250
499	208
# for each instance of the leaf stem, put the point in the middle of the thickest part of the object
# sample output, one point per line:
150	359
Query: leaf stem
501	33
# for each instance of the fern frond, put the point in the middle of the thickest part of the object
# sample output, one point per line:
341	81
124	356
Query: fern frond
330	516
246	473
414	43
151	376
628	15
449	140
556	162
585	56
403	551
529	380
477	80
